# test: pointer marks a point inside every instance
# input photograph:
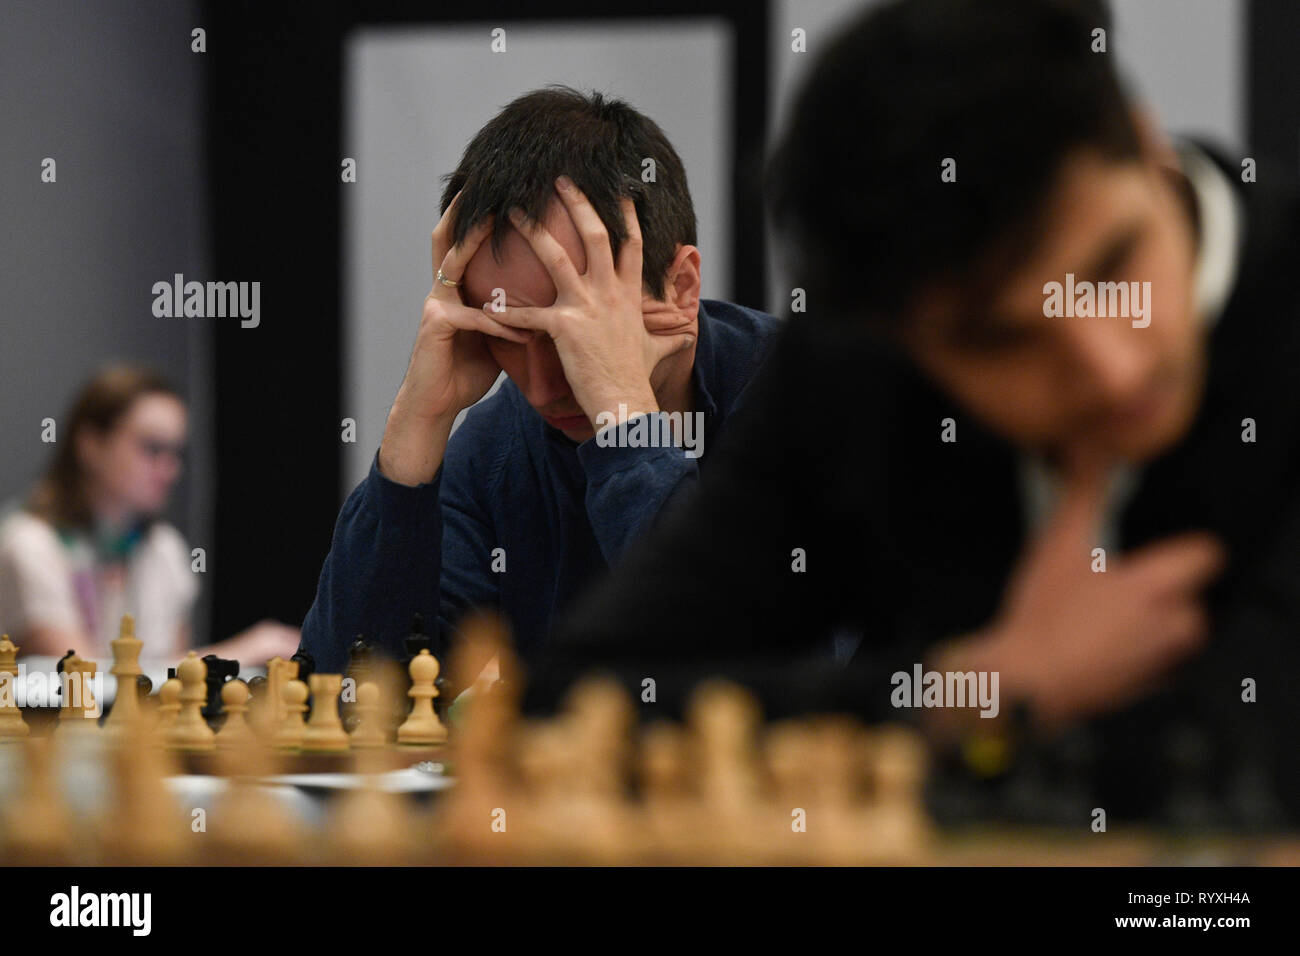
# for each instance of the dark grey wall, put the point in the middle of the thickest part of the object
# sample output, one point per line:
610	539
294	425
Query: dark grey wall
111	92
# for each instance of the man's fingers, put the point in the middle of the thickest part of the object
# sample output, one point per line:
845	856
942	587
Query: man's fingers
1075	524
457	259
629	257
665	344
523	317
462	318
441	239
595	238
548	250
1186	562
474	320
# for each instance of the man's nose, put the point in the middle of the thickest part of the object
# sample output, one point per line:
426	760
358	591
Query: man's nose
1109	358
546	381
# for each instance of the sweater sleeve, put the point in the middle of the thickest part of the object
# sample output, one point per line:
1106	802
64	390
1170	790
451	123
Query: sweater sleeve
398	550
628	484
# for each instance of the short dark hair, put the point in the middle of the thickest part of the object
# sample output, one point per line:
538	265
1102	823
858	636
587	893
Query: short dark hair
1007	88
599	143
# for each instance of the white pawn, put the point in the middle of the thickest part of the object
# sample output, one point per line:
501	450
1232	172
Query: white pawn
423	728
288	736
189	731
235	732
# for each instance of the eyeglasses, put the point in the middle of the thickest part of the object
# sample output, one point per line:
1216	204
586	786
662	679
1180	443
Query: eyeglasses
155	449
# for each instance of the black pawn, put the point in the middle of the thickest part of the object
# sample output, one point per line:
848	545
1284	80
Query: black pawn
306	665
417	640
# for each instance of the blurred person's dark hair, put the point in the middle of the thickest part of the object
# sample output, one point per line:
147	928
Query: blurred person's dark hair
1007	88
60	495
599	143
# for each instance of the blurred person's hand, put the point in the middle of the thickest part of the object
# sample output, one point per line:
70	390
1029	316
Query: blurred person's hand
256	645
608	347
451	366
1071	642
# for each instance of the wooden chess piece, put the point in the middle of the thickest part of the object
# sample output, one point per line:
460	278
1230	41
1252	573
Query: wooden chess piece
324	732
671	821
598	720
35	826
125	714
169	702
12	725
467	823
369	731
235	732
250	823
189	731
288	735
78	709
902	830
278	673
370	826
725	718
422	728
144	824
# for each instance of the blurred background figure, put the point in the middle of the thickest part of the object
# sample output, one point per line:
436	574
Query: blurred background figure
88	543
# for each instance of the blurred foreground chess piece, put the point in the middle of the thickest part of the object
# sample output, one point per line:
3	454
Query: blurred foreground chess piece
249	824
35	825
371	826
125	713
422	728
472	819
12	725
143	824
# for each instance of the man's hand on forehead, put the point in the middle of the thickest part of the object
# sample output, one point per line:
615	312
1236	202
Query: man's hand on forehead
598	320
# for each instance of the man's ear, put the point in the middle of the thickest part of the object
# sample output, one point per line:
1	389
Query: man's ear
682	281
1155	145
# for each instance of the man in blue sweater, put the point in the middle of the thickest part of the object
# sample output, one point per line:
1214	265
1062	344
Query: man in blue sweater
557	264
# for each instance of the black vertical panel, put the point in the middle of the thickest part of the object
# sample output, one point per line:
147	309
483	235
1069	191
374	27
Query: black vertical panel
273	135
275	120
1274	79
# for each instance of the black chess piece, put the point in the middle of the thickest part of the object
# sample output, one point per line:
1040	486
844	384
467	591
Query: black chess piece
1073	792
1252	800
417	640
306	665
143	686
1188	797
360	661
58	669
1026	794
220	670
